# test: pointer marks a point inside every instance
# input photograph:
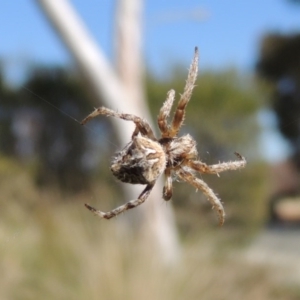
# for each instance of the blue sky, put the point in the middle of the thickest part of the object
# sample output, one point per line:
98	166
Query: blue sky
228	36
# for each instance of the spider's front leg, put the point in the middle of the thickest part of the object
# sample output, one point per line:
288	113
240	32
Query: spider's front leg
129	205
141	125
201	185
185	97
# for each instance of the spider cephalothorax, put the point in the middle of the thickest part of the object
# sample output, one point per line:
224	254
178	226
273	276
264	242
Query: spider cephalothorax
145	157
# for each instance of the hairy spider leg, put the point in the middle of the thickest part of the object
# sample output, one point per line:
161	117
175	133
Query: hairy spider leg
202	167
168	187
201	185
141	125
129	205
185	97
164	114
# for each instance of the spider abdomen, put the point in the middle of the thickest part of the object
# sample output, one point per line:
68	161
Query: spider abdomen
141	161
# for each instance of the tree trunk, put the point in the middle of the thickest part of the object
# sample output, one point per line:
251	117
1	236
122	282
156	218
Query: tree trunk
123	92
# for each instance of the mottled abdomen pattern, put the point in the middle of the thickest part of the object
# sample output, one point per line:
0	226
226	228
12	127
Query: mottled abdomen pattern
141	161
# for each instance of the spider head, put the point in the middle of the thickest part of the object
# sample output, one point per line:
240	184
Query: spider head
141	161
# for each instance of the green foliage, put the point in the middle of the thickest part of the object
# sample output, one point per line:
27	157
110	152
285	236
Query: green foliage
279	65
7	99
48	106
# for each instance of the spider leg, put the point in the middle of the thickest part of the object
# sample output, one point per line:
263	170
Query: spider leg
168	187
129	205
185	97
202	167
201	185
141	125
164	114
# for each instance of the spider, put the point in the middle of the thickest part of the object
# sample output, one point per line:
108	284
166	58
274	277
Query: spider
146	157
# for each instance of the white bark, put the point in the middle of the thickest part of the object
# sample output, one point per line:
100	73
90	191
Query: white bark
124	93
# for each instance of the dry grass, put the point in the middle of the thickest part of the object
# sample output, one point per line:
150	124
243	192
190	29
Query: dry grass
53	249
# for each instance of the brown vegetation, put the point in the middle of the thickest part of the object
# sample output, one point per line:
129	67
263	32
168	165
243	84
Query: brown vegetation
51	248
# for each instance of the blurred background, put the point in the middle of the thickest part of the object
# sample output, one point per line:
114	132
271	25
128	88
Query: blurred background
60	60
